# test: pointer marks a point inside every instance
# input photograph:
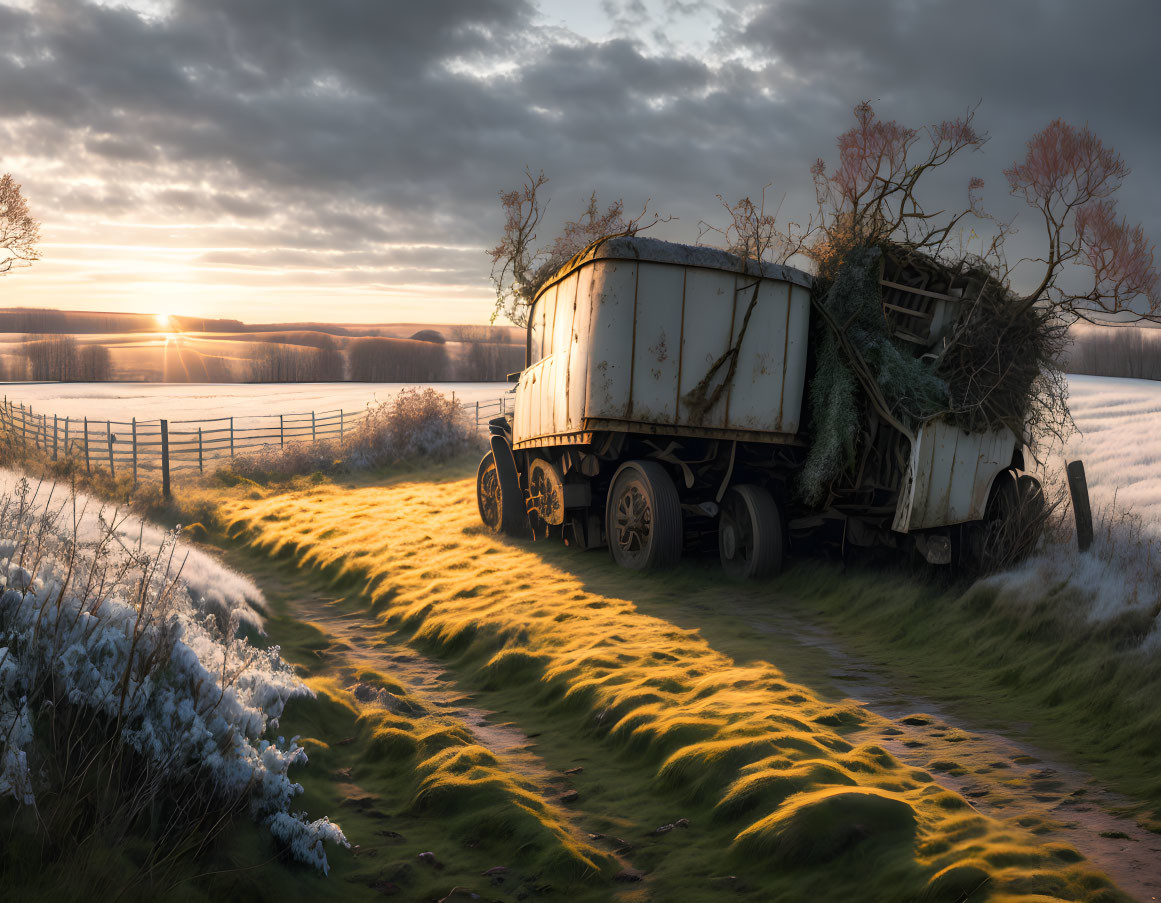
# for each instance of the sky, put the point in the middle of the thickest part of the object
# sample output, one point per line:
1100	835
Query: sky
340	160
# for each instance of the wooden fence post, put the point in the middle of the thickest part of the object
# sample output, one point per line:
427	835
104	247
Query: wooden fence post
110	437
313	433
88	465
134	451
340	427
66	441
54	437
231	438
1081	509
201	460
165	458
281	432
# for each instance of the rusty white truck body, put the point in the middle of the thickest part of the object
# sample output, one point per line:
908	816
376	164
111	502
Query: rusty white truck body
611	439
619	339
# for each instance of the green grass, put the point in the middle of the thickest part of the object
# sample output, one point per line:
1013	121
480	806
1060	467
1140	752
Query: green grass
660	690
1085	691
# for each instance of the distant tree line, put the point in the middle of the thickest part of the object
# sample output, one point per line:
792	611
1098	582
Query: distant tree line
61	358
1127	351
278	363
473	354
398	360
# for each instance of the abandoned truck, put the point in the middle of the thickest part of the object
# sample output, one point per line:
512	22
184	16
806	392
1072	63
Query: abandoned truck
662	409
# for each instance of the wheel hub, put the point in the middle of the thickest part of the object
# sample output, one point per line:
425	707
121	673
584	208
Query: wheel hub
729	540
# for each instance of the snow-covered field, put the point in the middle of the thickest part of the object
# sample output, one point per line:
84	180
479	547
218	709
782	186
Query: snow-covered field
1118	420
1119	439
193	401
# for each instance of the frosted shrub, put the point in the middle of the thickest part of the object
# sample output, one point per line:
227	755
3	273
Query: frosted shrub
416	423
1118	578
118	641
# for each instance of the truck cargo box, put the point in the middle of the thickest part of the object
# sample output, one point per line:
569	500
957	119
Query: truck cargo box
618	340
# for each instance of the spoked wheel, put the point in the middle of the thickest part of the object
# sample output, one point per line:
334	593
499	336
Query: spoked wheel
499	497
750	540
488	493
643	517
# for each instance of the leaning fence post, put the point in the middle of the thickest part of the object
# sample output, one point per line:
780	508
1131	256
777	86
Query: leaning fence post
165	458
88	465
110	437
201	461
1081	509
134	451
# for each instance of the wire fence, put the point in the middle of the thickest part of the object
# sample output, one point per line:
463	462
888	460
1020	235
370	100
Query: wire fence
152	448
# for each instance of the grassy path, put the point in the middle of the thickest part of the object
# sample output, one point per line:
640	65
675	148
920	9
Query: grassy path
655	686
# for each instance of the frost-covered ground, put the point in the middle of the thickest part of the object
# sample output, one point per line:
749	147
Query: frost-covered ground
140	633
1119	440
184	401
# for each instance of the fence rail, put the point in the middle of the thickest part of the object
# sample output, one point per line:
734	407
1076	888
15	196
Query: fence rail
157	447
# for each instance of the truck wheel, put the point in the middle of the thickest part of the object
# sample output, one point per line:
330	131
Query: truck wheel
500	500
750	540
643	517
488	493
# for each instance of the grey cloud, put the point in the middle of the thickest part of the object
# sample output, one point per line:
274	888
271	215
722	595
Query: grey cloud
351	125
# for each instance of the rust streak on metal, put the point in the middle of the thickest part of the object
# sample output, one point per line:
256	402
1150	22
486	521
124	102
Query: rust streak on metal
633	340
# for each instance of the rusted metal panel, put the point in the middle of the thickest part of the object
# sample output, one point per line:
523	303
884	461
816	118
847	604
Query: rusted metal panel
625	341
580	350
758	401
794	359
610	372
657	350
950	474
709	301
556	410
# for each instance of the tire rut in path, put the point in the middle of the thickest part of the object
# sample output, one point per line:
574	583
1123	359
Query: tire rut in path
357	643
999	776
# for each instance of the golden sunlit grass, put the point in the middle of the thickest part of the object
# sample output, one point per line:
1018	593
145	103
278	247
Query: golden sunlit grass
667	722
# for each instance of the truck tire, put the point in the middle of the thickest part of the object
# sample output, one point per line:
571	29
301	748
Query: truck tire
498	494
643	517
750	537
488	498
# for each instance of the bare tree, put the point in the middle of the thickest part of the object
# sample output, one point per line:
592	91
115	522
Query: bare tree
52	357
1069	176
19	232
94	363
520	267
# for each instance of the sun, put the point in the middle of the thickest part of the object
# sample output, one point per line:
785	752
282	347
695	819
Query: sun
164	322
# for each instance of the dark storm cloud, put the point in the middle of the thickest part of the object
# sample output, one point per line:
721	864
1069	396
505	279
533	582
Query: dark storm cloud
352	125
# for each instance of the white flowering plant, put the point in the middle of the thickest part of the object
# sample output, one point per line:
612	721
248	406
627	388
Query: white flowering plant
126	664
